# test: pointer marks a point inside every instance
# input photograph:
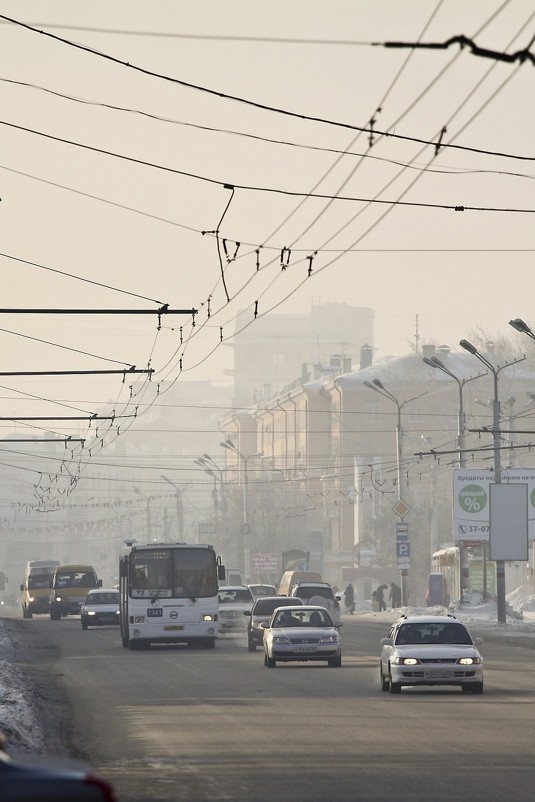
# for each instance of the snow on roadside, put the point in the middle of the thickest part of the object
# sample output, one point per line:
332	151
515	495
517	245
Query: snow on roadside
18	721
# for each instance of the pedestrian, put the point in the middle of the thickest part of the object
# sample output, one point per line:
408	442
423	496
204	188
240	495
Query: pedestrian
395	595
349	599
381	597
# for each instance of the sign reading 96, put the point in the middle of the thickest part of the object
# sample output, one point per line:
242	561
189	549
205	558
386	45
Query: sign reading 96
473	499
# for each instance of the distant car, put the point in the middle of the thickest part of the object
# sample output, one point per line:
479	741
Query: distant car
319	593
42	779
100	608
234	601
430	650
262	590
261	613
301	634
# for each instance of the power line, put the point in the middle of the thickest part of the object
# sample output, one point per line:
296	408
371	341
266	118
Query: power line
465	42
255	104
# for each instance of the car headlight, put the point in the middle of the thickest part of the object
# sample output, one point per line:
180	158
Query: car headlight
206	616
32	598
58	598
330	639
91	612
280	639
469	661
406	661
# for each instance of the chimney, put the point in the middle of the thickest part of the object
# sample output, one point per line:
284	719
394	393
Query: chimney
335	361
428	351
366	356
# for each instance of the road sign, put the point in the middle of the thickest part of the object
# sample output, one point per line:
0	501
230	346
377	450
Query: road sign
401	508
402	531
403	549
403	553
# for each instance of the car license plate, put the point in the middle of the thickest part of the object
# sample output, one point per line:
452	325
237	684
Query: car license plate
306	649
173	627
438	674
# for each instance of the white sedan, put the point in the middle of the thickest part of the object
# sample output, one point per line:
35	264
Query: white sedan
101	607
301	634
430	650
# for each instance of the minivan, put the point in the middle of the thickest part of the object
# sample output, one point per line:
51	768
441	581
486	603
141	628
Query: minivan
69	588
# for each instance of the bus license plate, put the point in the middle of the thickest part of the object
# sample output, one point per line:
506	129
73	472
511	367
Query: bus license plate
173	627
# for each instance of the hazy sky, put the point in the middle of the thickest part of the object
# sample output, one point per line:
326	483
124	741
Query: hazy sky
116	146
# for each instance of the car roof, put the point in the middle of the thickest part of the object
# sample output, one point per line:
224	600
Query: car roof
313	584
234	587
307	607
282	601
429	619
261	585
102	590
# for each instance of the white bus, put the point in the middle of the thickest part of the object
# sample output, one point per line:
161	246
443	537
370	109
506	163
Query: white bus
168	594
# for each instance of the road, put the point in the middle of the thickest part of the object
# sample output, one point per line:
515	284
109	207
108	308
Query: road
184	724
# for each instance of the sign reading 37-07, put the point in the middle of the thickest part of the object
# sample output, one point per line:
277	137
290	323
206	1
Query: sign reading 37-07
471	500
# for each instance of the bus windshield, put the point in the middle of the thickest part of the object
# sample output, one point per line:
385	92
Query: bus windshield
173	573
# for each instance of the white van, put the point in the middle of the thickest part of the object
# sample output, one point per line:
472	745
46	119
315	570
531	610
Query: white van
36	586
291	578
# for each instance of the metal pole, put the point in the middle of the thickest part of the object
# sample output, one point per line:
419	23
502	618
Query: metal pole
500	564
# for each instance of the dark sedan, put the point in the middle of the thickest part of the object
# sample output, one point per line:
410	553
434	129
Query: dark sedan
262	611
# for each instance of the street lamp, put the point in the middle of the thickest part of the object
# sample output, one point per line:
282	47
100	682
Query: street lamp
211	468
522	327
179	506
496	434
147	500
378	386
245	529
435	362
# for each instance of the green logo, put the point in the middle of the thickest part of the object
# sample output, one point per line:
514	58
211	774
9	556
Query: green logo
473	498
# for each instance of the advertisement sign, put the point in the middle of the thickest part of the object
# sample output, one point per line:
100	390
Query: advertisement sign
509	521
266	563
471	501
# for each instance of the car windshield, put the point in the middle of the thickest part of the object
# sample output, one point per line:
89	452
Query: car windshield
103	598
302	618
267	606
262	590
431	633
39	581
307	593
238	595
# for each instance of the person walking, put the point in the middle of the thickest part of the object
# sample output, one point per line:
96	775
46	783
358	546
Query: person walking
395	595
349	599
381	597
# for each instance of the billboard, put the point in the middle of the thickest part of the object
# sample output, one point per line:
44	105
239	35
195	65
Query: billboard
471	501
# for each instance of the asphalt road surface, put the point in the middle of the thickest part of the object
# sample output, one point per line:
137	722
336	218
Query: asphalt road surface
180	724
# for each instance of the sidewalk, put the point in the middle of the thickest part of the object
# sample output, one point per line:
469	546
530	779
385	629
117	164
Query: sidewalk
476	613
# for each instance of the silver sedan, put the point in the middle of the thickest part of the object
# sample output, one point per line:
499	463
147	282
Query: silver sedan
430	650
301	634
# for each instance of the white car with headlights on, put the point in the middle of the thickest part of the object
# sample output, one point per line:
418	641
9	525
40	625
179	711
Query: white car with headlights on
301	634
430	650
100	608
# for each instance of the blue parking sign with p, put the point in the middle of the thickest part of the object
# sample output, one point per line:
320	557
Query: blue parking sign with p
403	549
